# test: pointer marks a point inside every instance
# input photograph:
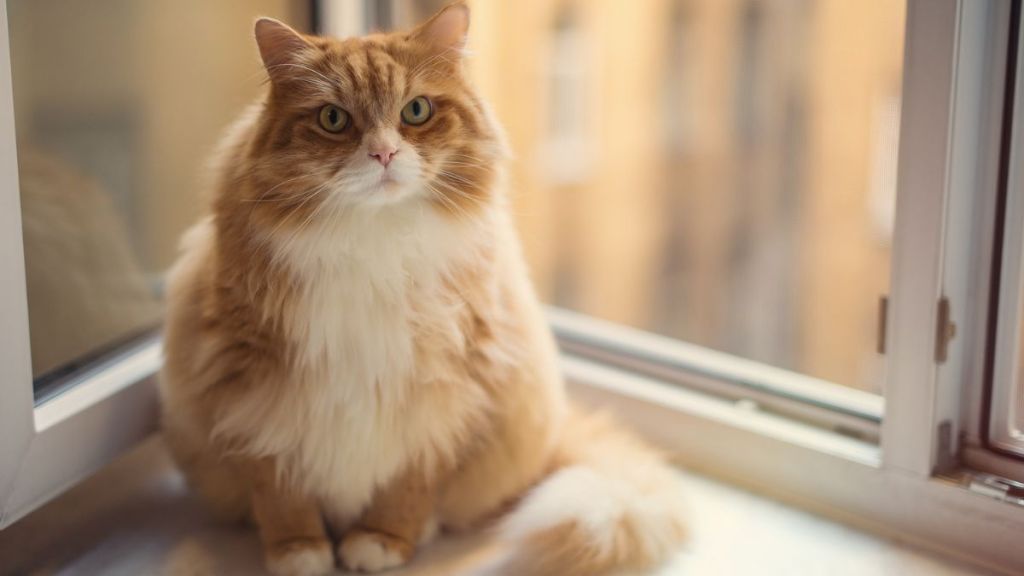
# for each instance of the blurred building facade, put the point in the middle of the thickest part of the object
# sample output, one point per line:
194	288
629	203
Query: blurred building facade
720	171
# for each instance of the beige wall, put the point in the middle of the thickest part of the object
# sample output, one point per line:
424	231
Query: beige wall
201	70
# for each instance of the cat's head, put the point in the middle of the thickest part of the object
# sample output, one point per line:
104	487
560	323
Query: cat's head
383	120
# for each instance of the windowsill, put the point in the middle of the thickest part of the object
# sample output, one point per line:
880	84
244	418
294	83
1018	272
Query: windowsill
587	379
136	517
806	467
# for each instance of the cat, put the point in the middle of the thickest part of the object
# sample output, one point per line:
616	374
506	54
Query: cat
352	340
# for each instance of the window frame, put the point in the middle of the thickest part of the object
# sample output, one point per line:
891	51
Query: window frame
889	488
835	407
975	278
918	484
49	444
1006	306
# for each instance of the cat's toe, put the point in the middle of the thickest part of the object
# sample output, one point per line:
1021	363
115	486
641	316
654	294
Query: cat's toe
368	551
300	558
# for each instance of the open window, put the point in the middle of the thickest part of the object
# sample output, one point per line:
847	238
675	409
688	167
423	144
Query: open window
107	113
1000	426
756	177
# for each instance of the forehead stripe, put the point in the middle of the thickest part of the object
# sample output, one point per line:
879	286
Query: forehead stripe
354	78
373	75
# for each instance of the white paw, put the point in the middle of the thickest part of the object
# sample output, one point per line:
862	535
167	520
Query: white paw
369	553
307	560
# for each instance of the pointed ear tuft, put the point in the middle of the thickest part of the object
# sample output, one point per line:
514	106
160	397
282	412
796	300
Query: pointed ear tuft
445	30
279	45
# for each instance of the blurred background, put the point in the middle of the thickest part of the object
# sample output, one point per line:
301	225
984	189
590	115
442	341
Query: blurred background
718	171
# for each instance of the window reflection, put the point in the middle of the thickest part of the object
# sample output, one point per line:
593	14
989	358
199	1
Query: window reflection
117	106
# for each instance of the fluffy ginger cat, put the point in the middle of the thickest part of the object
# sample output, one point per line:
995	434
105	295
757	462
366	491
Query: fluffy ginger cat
352	341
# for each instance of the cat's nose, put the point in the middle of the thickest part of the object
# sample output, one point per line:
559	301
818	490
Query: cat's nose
384	154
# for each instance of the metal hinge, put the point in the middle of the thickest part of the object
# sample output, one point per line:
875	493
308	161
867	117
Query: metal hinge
945	331
997	487
883	323
946	458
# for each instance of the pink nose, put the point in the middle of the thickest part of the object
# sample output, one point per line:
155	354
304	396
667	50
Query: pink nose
384	155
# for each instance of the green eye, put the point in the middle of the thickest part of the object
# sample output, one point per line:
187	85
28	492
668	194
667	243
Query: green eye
417	111
333	119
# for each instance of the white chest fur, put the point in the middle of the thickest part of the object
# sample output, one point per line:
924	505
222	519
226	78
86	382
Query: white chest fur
371	311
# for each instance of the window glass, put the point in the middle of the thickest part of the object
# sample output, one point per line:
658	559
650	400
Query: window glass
1005	409
1017	419
117	106
718	171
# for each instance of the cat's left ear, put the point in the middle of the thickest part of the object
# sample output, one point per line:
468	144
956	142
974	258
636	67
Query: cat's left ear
445	30
280	47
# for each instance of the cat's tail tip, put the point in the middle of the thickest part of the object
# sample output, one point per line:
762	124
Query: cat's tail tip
616	508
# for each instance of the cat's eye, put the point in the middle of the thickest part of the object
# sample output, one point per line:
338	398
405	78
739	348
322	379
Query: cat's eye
417	111
333	119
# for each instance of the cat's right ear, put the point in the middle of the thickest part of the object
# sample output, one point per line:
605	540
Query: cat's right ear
281	48
445	31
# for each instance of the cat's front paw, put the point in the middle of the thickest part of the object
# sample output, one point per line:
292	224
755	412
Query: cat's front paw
368	551
305	557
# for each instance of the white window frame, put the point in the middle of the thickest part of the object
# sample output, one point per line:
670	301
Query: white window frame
971	236
887	487
102	411
1004	432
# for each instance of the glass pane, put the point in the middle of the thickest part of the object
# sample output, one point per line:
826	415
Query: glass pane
117	105
1006	403
1013	400
718	171
1017	410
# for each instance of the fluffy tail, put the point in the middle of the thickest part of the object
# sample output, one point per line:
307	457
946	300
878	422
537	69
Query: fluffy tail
614	507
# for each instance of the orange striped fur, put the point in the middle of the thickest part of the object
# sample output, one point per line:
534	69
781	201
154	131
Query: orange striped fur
352	338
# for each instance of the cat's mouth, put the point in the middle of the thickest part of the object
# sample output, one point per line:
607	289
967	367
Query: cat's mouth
387	181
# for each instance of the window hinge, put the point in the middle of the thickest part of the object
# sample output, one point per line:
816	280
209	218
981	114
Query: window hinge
946	460
996	487
945	331
883	323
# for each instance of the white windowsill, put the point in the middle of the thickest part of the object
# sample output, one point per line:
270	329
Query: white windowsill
810	468
588	378
807	467
136	517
